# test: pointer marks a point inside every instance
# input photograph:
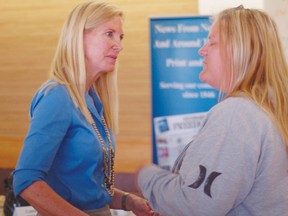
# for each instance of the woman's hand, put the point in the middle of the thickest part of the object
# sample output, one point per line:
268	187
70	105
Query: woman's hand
139	206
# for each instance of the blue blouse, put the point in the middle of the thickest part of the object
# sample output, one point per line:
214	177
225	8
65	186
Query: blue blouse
62	149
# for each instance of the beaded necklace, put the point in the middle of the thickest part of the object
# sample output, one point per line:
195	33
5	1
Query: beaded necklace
108	162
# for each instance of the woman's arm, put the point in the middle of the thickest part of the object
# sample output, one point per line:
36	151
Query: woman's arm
132	202
47	202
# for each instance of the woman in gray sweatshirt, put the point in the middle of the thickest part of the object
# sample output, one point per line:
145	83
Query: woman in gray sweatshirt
238	162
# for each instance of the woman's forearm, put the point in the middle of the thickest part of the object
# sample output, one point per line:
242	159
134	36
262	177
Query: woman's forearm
47	202
116	202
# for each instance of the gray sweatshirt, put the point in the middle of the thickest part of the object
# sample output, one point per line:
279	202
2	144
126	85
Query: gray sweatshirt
236	165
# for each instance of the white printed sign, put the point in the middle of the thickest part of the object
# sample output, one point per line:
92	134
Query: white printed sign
173	133
25	211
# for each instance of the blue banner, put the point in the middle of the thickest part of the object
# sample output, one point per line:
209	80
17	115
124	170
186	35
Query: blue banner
179	99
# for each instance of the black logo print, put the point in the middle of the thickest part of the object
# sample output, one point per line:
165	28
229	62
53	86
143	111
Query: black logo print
208	182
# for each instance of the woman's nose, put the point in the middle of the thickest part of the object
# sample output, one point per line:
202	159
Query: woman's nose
117	46
202	51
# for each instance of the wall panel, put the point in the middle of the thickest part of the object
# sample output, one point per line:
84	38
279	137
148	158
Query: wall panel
28	35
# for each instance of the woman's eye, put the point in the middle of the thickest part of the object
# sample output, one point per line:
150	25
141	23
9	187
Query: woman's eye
211	43
121	37
114	35
109	34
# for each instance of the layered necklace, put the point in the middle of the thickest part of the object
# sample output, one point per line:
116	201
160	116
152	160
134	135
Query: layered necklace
108	155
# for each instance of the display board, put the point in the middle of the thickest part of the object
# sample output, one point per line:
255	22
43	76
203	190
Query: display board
179	99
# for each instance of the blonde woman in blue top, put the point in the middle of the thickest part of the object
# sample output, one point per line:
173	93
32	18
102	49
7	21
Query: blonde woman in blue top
66	166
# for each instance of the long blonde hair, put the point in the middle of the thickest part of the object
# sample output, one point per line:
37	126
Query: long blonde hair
68	66
258	66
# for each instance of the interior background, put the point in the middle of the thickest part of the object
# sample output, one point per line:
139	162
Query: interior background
29	31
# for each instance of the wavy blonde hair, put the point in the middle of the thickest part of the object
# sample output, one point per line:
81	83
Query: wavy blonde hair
250	39
68	66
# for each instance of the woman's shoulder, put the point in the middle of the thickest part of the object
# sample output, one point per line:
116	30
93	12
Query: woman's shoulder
239	104
240	109
51	93
52	86
51	89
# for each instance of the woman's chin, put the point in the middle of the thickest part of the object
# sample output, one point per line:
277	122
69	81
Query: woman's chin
203	76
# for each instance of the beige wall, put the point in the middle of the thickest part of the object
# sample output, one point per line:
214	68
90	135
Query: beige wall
28	35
